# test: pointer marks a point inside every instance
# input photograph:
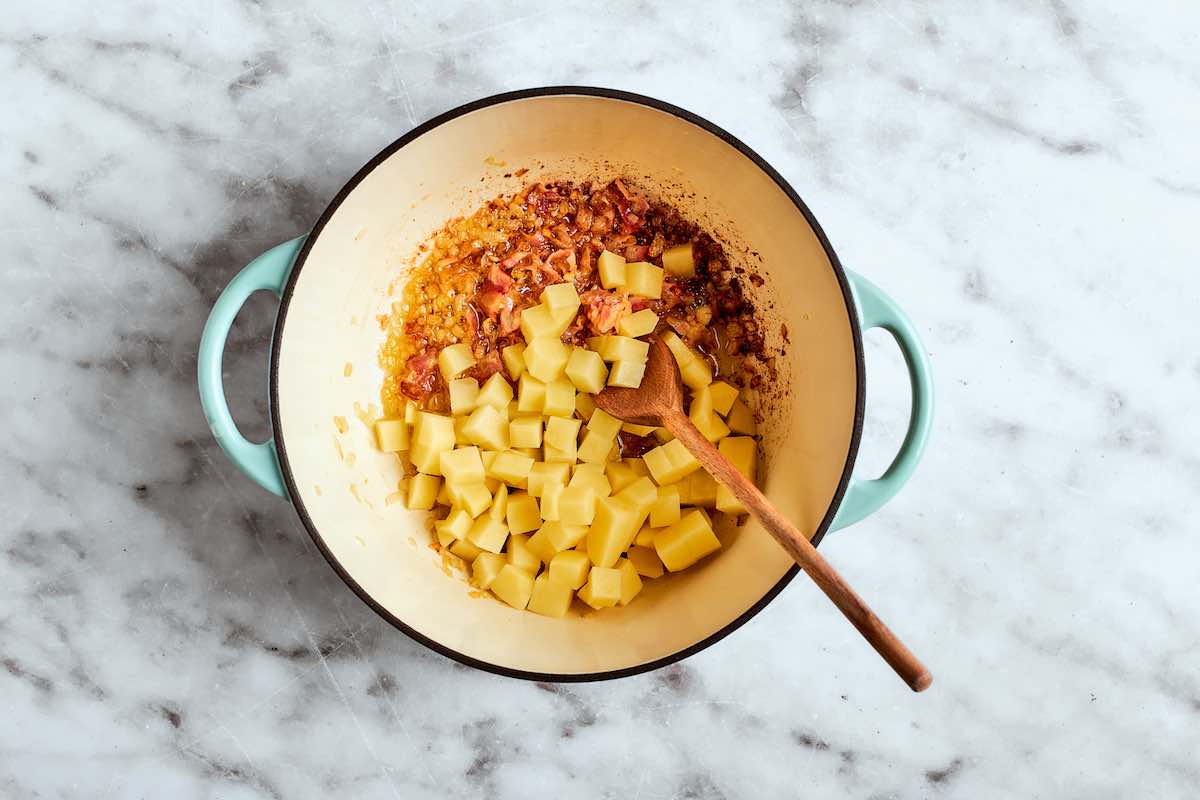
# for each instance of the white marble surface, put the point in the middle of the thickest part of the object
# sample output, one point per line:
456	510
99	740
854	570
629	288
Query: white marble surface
1023	177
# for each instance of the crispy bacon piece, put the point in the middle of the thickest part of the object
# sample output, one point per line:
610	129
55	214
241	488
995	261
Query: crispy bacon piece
637	252
420	379
484	368
603	309
510	320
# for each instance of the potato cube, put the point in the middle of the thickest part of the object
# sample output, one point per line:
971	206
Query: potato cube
474	498
612	531
585	406
638	324
460	434
585	368
577	506
536	321
560	399
638	430
571	568
696	374
525	431
679	261
642	494
463	465
499	508
513	358
645	561
645	536
560	295
542	547
488	534
550	598
638	465
704	418
661	468
522	513
486	428
410	411
631	582
465	550
514	586
701	489
454	359
391	435
562	536
548	503
741	419
627	373
686	542
454	526
520	556
463	392
663	435
495	392
553	454
591	476
512	468
605	424
619	475
543	474
620	348
443	496
422	490
595	448
531	395
665	510
530	452
561	432
485	568
433	435
545	358
612	270
681	457
644	279
741	452
723	396
603	588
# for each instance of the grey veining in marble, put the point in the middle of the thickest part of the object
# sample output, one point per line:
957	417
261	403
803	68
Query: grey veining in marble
1023	177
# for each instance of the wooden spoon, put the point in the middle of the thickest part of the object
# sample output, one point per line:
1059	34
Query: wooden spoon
659	401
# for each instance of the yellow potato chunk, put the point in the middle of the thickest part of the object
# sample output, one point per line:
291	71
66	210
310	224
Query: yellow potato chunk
537	322
595	448
561	432
686	542
644	279
543	474
638	466
631	582
422	490
520	556
612	531
638	324
591	476
513	358
627	373
697	374
619	475
638	430
545	358
514	586
525	432
645	561
560	398
455	526
700	489
410	411
663	435
495	392
550	598
463	466
485	568
463	392
443	496
474	498
612	270
523	514
585	368
499	509
645	536
542	547
512	468
665	510
433	435
487	428
584	406
723	396
603	588
460	435
454	359
620	348
741	452
560	295
577	506
553	454
548	504
642	494
670	462
488	534
571	568
465	550
391	435
741	419
531	395
679	261
605	424
704	418
563	536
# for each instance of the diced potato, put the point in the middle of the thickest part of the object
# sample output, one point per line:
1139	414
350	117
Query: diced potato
670	462
638	324
460	434
513	357
561	432
410	411
548	503
605	424
514	586
536	322
704	418
723	396
665	510
741	452
487	428
560	399
627	373
612	531
443	496
620	348
612	270
523	514
663	435
495	392
463	466
454	359
645	536
631	582
686	542
619	475
530	452
603	588
520	556
567	455
741	419
591	476
465	550
543	474
571	567
422	490
525	432
541	545
638	430
679	261
454	526
701	490
560	295
645	561
577	506
474	498
586	370
595	448
545	358
697	374
433	435
642	494
644	279
485	568
512	468
550	598
584	406
531	395
391	435
562	536
638	466
499	509
488	534
463	392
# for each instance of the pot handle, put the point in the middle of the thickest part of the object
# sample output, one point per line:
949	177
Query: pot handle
877	310
267	272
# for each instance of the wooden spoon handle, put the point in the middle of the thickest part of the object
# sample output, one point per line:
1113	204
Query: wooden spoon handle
906	665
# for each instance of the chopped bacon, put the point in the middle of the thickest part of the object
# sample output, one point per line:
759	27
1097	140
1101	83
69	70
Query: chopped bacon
637	252
638	303
498	280
514	259
545	198
691	330
484	368
494	303
673	293
603	309
510	320
561	236
421	375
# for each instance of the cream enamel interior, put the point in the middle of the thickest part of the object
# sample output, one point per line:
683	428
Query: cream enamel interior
371	238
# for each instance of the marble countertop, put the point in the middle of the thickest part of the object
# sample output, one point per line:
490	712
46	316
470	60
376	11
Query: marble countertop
1022	177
